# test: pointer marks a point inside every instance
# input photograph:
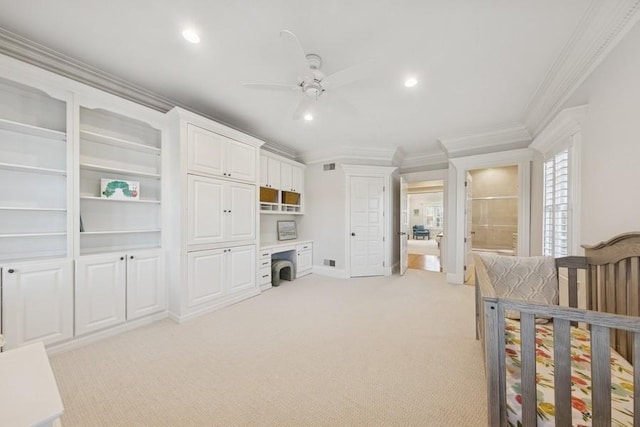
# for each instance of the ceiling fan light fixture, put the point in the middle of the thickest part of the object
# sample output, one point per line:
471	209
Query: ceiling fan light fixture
191	36
308	117
410	82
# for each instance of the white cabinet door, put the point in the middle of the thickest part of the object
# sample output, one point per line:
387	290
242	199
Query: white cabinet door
241	212
206	215
241	161
146	288
205	276
273	166
241	263
100	292
37	303
297	183
205	151
264	171
304	262
286	183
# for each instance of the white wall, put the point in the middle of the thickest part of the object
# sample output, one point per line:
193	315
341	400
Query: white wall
611	144
269	227
324	220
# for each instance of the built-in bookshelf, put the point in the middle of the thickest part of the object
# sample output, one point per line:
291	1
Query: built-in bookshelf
33	174
126	151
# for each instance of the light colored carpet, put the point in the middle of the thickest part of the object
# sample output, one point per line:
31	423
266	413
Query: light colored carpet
423	247
318	351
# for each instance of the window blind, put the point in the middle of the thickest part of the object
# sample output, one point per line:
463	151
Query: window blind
556	205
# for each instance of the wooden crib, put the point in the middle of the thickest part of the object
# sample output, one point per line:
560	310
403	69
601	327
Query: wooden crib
609	318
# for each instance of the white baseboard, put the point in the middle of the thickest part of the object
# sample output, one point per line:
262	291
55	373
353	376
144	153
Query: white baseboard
216	306
455	278
97	336
266	287
330	271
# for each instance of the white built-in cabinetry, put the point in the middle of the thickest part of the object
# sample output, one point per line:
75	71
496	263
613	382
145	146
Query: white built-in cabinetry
304	259
72	261
282	185
214	180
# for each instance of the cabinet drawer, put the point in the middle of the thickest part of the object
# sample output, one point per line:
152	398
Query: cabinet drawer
264	263
265	253
265	275
304	247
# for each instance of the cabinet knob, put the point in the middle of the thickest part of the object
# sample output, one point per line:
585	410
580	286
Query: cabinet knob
353	234
11	270
131	257
229	211
121	258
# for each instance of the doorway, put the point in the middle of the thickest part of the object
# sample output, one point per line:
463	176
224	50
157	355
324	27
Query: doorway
425	225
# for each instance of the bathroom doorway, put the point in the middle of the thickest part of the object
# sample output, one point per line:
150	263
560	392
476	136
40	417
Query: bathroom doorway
425	224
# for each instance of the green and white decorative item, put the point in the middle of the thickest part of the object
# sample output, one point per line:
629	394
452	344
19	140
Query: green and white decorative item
119	189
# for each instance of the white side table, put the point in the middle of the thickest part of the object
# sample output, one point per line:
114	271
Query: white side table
28	389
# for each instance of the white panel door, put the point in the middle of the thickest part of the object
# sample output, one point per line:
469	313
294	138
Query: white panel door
206	215
100	292
367	226
241	161
264	171
205	276
241	263
206	151
146	287
404	226
240	206
304	262
37	303
273	166
286	182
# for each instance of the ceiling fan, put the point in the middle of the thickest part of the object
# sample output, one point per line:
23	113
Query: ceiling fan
311	81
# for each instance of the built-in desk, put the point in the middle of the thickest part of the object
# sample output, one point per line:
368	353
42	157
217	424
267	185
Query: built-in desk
299	252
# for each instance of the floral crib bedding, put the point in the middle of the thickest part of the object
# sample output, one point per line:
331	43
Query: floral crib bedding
621	379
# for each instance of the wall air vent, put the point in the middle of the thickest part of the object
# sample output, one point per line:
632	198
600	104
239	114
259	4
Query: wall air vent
329	166
330	262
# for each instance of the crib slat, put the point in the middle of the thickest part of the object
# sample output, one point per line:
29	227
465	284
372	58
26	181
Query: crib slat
611	285
528	356
602	296
601	375
621	306
495	358
562	371
633	298
636	379
573	287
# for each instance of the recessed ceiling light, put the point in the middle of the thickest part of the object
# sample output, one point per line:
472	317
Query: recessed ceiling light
191	36
411	82
308	117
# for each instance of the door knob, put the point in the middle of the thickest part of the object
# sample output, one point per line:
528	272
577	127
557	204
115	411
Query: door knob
353	234
401	233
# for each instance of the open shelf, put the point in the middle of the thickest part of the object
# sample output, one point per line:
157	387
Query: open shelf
118	142
24	128
31	209
104	199
14	235
103	233
98	168
32	169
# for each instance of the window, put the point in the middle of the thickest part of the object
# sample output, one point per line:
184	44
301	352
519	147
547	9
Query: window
433	216
557	207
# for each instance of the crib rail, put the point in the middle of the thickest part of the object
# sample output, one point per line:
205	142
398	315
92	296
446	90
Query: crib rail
601	325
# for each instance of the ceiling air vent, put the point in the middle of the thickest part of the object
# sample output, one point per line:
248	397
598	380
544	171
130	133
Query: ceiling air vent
329	166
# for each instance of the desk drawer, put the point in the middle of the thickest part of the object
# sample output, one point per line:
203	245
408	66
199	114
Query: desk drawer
264	263
264	275
264	254
304	247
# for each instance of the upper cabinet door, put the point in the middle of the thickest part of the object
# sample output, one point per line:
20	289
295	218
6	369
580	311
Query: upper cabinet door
274	173
206	151
206	212
241	161
286	183
37	303
264	171
297	182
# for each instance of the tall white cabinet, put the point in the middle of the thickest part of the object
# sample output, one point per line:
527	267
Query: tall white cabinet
72	261
214	201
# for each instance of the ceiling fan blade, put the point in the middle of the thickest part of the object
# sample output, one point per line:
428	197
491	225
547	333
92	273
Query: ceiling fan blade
347	76
296	54
343	106
271	86
303	107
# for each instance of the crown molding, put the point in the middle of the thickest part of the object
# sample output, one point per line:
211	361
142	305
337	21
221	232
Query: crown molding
41	56
500	138
600	29
383	155
281	150
567	123
423	159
